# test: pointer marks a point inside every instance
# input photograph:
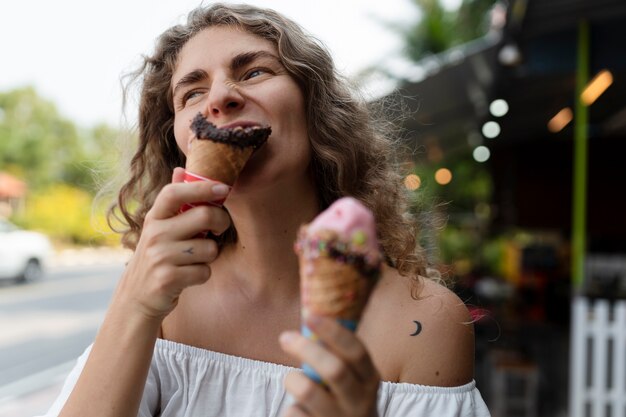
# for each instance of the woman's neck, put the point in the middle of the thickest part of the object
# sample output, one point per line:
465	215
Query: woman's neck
263	261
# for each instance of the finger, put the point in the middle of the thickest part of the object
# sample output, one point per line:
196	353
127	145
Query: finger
190	252
311	397
196	274
344	344
339	377
178	175
187	225
198	219
173	196
166	284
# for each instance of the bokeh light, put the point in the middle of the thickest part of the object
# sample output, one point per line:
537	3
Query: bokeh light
491	130
560	120
596	87
481	153
443	176
499	107
412	182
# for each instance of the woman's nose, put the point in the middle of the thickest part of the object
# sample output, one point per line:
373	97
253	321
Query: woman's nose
224	98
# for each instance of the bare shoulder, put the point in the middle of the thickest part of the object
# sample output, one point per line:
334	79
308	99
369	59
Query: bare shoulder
428	340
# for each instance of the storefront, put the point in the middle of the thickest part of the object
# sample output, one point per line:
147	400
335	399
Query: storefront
514	93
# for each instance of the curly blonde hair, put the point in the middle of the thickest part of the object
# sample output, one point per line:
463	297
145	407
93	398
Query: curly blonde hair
351	154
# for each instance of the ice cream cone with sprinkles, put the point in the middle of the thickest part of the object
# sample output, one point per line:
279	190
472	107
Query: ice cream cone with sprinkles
340	262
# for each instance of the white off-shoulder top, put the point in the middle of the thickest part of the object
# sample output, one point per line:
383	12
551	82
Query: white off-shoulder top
186	381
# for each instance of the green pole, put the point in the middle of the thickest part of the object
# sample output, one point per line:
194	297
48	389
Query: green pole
581	139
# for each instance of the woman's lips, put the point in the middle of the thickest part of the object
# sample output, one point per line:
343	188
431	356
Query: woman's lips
242	124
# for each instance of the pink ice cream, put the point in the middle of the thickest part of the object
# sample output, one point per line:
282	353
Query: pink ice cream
353	224
340	260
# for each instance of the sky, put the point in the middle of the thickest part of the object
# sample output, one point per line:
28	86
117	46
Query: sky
74	51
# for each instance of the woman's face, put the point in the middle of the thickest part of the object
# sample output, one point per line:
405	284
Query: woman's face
235	78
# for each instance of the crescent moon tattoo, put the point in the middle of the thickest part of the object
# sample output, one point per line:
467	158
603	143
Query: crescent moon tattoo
418	328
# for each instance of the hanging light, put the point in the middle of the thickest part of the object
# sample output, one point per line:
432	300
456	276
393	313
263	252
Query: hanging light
596	87
560	120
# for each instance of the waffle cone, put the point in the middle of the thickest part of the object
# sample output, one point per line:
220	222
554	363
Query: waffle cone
217	161
331	288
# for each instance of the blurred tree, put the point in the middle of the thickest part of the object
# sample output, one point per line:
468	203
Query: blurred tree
98	158
439	29
41	146
63	165
66	214
35	141
464	202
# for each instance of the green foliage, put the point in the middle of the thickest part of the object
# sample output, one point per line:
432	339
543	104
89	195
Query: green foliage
464	202
44	148
66	214
456	243
493	255
433	33
459	209
62	164
34	139
439	29
471	183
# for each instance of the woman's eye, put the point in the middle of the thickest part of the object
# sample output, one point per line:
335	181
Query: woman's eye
254	73
191	95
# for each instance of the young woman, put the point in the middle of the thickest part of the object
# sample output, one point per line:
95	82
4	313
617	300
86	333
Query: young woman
207	327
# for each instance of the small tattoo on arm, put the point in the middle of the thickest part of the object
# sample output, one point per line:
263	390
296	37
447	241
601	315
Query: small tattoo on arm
189	251
418	328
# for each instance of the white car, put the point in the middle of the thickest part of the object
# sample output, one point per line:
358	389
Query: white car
23	254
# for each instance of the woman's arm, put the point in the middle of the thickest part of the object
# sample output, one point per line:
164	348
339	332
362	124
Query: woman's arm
169	257
114	376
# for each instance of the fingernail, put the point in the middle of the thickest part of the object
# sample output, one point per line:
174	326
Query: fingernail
287	337
220	190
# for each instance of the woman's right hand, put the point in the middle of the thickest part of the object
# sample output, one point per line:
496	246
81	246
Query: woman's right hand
170	256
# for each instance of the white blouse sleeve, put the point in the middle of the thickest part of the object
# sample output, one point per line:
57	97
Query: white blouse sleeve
149	401
401	399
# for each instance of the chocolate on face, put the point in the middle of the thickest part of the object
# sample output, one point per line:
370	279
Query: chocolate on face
251	136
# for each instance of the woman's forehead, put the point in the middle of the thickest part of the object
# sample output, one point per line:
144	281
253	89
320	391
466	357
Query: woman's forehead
222	43
217	46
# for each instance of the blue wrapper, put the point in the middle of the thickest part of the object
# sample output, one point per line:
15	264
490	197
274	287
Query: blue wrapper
309	334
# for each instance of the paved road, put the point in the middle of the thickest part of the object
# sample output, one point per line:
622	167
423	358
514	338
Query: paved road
44	327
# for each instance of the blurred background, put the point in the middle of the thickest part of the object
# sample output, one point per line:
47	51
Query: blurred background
513	120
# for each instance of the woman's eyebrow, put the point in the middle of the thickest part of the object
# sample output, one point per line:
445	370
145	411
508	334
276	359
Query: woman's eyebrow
245	58
190	78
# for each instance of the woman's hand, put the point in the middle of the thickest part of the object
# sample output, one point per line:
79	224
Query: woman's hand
170	256
342	362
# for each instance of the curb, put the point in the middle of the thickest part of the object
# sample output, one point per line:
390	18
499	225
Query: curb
89	256
34	394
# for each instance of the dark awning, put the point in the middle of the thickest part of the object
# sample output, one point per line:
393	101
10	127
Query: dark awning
451	104
531	166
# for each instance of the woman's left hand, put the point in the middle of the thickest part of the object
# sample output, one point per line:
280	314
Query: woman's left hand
342	362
